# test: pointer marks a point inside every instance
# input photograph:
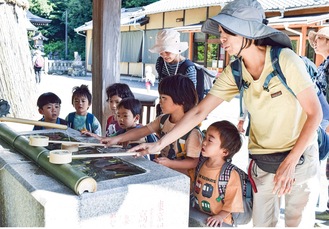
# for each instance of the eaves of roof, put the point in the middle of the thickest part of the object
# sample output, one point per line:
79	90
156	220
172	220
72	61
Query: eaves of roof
36	20
87	26
268	5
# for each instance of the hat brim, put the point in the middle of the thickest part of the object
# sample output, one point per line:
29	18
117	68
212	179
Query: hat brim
312	34
248	29
311	38
176	49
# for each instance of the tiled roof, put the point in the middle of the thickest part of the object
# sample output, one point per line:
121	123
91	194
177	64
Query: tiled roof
268	5
36	20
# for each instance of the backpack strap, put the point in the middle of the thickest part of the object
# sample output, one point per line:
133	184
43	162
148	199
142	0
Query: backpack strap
223	178
202	160
275	53
70	120
162	121
236	67
181	144
89	121
187	63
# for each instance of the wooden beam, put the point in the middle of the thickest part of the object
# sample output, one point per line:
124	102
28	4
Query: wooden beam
106	54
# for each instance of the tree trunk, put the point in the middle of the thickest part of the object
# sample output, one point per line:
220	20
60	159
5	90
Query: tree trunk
17	82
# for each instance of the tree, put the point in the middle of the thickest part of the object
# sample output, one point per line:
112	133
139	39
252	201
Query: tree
16	71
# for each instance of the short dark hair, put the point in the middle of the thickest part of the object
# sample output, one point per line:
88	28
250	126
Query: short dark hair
81	91
132	104
230	137
122	90
181	89
46	98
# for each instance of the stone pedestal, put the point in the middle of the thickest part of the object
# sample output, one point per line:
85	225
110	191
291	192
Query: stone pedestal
29	197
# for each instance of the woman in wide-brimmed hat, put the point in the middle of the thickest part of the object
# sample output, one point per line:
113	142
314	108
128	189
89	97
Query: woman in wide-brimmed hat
320	42
279	121
170	61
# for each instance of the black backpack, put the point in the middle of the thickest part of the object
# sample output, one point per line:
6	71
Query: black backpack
182	70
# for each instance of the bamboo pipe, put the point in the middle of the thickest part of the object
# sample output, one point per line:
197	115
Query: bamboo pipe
33	122
73	178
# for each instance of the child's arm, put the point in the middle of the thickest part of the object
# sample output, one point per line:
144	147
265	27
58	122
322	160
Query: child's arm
96	127
87	133
178	165
131	135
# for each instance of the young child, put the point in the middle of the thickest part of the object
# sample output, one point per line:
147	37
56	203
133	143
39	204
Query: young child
80	119
115	93
49	106
128	114
149	78
221	142
177	96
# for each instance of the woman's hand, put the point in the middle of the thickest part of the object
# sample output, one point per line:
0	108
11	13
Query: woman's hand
110	141
146	148
284	177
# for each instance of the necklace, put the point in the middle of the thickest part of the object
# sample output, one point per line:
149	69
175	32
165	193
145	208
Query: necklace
167	67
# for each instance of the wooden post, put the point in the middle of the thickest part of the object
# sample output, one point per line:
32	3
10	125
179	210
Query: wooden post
106	54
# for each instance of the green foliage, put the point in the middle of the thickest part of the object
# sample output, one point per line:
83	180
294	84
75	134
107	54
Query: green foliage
56	48
78	12
42	8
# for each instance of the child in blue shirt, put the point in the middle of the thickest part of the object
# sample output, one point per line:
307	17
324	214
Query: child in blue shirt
81	120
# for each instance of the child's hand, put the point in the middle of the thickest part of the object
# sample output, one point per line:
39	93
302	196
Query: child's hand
87	133
163	161
214	221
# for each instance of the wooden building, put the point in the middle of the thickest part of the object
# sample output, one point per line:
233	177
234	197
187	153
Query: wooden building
139	27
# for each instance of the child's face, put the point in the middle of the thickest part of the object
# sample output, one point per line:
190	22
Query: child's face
81	105
113	103
167	105
168	56
211	145
50	112
126	118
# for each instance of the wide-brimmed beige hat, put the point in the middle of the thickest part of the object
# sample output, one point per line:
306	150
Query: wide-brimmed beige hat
246	18
322	32
168	40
